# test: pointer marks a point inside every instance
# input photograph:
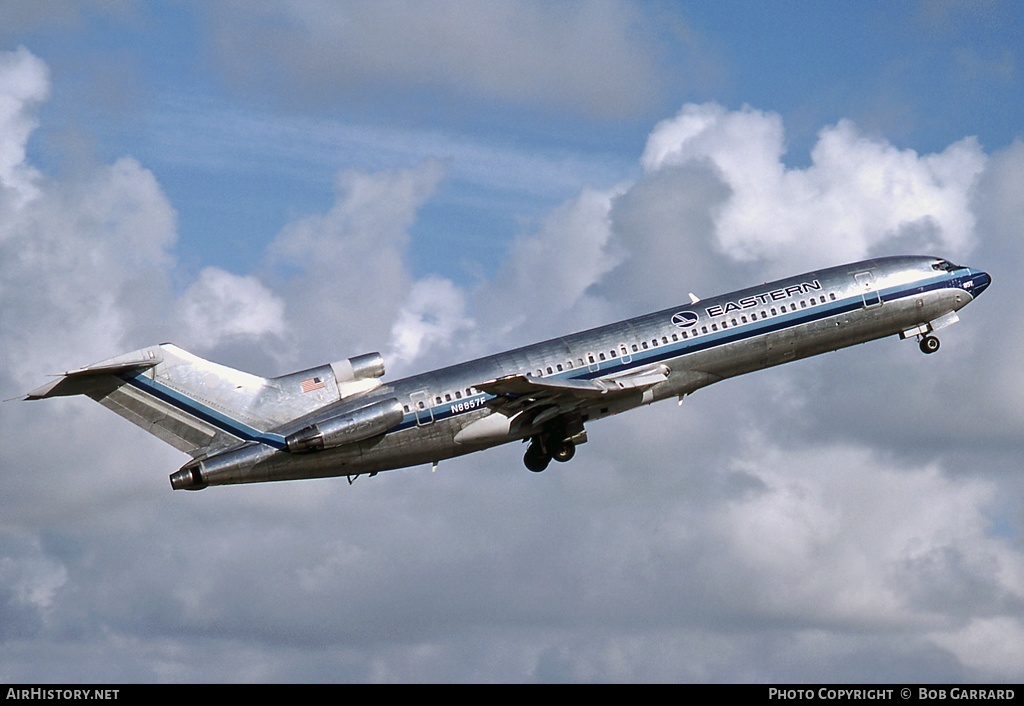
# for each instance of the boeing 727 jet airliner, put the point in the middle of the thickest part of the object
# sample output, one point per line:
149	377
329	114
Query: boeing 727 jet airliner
343	419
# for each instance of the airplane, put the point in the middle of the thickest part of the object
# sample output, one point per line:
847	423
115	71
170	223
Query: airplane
343	419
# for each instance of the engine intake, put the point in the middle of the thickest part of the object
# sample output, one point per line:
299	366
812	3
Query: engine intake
362	367
356	425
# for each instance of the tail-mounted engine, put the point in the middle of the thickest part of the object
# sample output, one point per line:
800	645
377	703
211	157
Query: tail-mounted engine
356	425
361	367
254	462
235	466
336	381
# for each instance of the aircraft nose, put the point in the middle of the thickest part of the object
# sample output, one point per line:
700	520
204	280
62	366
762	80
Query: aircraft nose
981	282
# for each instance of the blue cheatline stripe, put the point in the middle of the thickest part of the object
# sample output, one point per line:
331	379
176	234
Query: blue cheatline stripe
639	359
207	414
761	327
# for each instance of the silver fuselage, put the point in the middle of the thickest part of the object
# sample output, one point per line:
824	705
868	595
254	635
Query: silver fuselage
694	344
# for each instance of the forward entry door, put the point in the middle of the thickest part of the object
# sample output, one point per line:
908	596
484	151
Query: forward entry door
868	292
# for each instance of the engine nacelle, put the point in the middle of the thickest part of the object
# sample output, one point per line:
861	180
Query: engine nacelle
361	367
329	383
356	425
227	467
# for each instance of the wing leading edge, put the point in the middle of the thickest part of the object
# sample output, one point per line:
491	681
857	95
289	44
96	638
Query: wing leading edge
516	386
549	398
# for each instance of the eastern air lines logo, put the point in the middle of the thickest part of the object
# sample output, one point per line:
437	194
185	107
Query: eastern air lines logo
684	319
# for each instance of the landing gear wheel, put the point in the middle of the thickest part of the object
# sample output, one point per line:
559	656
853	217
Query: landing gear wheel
535	458
564	451
929	344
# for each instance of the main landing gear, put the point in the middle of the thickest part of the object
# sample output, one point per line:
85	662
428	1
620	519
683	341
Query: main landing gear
544	448
928	344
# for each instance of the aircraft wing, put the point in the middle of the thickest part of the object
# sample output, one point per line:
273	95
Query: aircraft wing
523	386
551	397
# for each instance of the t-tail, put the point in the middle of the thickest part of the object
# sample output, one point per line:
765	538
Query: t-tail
201	407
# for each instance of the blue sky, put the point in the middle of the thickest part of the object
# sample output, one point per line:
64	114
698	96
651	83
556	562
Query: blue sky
155	81
278	185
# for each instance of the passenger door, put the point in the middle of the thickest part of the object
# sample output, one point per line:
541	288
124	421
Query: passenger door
866	287
422	408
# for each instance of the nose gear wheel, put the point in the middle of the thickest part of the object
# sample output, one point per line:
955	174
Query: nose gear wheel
929	344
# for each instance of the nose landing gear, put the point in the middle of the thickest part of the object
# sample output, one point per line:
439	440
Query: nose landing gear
928	344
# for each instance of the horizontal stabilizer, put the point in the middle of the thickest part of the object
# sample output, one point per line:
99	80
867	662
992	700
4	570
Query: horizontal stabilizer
85	380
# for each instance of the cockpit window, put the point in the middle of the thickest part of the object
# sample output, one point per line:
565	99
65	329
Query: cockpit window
945	266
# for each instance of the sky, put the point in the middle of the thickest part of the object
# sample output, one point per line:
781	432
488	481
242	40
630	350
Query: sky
278	185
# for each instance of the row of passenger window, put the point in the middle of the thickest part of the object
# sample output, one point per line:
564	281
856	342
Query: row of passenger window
754	316
675	337
598	358
623	352
446	397
458	394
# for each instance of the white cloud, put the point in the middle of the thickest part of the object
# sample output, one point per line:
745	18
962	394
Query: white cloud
596	57
343	273
857	540
24	82
661	230
220	306
433	315
73	257
31	581
858	197
71	252
992	646
547	275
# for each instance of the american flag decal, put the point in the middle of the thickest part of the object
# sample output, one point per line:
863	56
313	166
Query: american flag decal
311	384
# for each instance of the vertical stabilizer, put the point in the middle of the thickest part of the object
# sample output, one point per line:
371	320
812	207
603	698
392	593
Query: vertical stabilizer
193	404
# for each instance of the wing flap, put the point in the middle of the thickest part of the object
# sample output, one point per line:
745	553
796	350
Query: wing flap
523	386
540	401
532	388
